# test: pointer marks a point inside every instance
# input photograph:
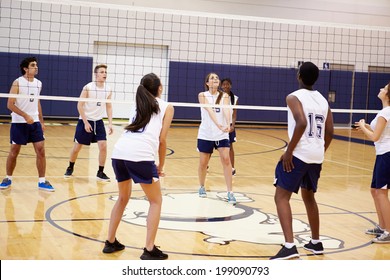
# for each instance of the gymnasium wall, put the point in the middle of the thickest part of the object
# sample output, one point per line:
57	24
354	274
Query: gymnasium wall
60	76
260	55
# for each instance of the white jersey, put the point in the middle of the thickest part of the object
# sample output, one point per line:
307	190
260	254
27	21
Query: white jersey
208	130
141	145
235	103
311	146
27	105
95	111
382	146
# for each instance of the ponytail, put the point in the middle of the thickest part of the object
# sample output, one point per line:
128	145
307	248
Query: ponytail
146	105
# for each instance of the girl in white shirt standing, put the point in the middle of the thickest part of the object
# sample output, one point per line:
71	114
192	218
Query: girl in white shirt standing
379	132
133	160
214	133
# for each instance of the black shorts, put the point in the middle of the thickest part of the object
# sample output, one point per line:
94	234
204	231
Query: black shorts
23	133
86	138
304	175
208	146
140	172
232	136
381	173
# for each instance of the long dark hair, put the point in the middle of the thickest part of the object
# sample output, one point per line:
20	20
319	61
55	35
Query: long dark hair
231	94
220	92
146	102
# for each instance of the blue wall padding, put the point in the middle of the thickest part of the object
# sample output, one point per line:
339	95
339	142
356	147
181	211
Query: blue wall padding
255	86
269	86
60	76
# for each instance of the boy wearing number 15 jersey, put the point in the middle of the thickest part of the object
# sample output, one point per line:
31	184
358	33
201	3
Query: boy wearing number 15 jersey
310	130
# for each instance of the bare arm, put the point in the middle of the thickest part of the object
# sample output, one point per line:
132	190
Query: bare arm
234	118
80	108
109	114
162	150
328	129
379	128
227	111
300	119
41	115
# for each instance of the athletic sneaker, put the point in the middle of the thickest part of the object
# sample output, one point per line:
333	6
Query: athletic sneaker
285	253
101	176
383	238
202	192
112	247
68	172
233	171
315	248
155	254
231	199
5	184
46	186
375	231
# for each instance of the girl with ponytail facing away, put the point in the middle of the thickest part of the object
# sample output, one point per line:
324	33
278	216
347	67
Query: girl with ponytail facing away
133	159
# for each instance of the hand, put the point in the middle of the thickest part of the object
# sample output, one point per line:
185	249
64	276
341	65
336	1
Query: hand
110	130
360	124
160	171
88	127
223	128
29	119
287	163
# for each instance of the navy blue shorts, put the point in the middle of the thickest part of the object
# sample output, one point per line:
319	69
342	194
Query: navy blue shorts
86	138
140	172
232	136
381	173
23	133
206	146
304	175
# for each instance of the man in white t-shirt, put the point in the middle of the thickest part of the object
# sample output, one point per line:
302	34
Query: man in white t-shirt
90	127
27	124
310	130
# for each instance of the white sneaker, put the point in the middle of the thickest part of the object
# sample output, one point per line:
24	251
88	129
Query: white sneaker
383	238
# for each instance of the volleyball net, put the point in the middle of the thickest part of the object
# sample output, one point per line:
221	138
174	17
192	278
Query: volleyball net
260	55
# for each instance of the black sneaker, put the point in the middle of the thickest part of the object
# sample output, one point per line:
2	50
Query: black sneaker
112	247
68	172
101	176
377	230
285	253
315	248
155	254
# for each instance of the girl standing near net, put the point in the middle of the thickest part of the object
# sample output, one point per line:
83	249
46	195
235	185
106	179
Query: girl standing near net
214	133
379	132
226	85
133	159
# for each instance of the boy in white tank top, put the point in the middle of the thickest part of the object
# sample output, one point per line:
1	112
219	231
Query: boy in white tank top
90	127
27	122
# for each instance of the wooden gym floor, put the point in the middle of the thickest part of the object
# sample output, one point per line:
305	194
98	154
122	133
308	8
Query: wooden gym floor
72	222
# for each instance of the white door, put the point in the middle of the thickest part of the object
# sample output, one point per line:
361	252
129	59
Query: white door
126	65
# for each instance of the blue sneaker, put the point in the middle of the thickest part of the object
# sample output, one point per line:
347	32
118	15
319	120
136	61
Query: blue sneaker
5	184
231	199
46	186
202	192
